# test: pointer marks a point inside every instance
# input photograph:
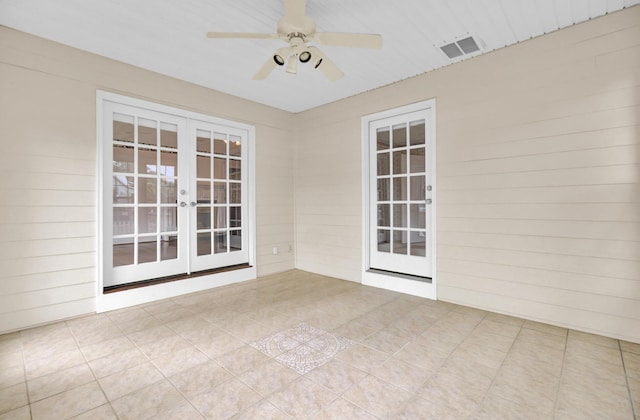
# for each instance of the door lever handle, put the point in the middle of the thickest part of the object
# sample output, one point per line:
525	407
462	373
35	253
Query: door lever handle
428	201
193	204
183	204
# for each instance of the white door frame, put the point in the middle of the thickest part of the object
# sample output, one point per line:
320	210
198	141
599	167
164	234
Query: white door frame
390	281
121	299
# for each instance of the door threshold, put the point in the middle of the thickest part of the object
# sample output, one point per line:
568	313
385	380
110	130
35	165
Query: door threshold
400	275
168	279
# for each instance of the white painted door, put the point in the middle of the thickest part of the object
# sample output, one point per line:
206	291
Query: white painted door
175	195
401	194
219	213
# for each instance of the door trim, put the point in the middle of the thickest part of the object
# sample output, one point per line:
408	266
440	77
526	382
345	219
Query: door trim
390	281
110	301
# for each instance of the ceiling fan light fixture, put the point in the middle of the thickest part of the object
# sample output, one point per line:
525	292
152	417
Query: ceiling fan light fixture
278	59
304	56
292	65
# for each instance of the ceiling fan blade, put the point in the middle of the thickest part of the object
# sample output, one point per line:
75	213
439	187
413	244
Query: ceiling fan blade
270	64
240	35
265	70
343	39
295	12
325	65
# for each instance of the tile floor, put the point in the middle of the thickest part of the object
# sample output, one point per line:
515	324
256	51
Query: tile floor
299	345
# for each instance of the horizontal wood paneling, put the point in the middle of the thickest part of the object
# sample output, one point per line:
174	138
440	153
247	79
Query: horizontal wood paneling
550	278
603	267
47	280
48	182
538	177
550	313
27	249
20	301
597	248
614	230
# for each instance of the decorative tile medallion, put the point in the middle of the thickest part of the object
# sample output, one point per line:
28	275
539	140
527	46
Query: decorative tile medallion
303	347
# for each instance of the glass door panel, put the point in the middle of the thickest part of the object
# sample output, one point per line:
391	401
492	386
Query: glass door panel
221	205
400	197
145	219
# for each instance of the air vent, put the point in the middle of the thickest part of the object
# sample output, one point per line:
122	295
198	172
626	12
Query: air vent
465	46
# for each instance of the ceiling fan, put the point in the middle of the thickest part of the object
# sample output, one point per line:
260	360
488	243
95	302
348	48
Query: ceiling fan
296	29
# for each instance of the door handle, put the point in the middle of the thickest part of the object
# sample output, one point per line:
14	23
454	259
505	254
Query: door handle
183	204
428	201
193	204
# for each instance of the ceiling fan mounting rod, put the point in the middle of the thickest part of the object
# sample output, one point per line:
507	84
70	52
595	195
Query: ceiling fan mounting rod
300	35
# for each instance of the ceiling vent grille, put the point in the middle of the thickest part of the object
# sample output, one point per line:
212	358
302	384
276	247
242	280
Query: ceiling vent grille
461	47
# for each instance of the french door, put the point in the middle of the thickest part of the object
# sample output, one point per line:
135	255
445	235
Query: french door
401	194
174	194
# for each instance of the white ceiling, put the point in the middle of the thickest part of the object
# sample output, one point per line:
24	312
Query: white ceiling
168	37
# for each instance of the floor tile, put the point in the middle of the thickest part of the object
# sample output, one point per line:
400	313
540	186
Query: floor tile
343	409
69	403
301	345
106	348
268	378
130	380
150	335
303	359
402	374
377	397
11	375
153	401
362	357
167	345
630	347
226	400
11	359
22	413
456	386
40	367
497	407
418	408
302	398
336	376
63	380
593	339
117	362
386	341
545	328
200	379
586	403
10	343
172	363
354	331
219	345
13	397
241	360
420	356
104	412
262	410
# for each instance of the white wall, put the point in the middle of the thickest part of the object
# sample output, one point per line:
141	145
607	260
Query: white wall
538	176
538	168
48	185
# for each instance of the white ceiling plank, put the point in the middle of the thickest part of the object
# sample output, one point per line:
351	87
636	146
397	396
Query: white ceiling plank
597	8
518	21
564	14
168	37
613	5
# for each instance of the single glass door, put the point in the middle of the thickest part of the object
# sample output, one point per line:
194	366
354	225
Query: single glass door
218	225
400	195
144	171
